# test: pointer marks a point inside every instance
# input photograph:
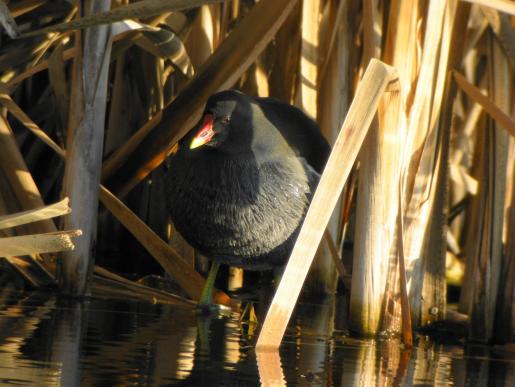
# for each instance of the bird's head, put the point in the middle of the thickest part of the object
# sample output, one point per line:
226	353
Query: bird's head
226	123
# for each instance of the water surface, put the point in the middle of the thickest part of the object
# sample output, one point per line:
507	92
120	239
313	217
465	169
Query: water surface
47	340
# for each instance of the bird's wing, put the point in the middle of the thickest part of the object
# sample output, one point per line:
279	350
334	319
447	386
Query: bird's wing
300	131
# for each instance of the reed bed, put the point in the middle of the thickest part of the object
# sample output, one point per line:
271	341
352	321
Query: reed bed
94	99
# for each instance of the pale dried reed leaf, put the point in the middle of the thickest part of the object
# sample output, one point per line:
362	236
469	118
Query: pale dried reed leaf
507	6
336	171
47	212
475	94
140	9
167	45
38	243
7	21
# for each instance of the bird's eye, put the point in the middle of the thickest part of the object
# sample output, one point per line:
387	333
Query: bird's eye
225	119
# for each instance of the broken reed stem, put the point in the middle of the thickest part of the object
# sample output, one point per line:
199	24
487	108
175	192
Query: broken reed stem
336	171
41	213
38	243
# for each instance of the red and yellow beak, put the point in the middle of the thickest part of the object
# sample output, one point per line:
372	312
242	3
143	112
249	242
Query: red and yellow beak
205	134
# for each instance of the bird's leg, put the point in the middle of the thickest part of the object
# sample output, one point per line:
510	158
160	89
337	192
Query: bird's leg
206	297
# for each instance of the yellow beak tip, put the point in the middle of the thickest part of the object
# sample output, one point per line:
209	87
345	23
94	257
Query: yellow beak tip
196	142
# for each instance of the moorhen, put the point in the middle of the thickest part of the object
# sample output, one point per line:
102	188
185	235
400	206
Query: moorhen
240	183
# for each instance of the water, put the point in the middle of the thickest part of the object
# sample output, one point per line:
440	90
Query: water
50	341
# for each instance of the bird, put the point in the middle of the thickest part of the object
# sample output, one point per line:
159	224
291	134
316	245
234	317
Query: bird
240	183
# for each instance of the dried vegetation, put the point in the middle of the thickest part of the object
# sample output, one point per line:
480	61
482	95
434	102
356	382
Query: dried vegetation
94	99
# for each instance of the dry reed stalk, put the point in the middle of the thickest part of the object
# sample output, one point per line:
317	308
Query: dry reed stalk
19	177
141	9
422	152
474	219
338	167
283	78
200	41
488	269
401	52
505	310
117	129
375	219
309	57
38	243
490	107
433	292
221	70
37	214
58	83
335	255
334	76
27	198
84	148
31	71
322	279
335	28
222	298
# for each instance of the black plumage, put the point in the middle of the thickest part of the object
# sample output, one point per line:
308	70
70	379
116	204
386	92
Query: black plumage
240	195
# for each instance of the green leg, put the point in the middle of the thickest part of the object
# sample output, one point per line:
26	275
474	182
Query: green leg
206	297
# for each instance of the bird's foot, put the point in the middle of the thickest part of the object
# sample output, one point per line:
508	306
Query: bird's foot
248	313
210	309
